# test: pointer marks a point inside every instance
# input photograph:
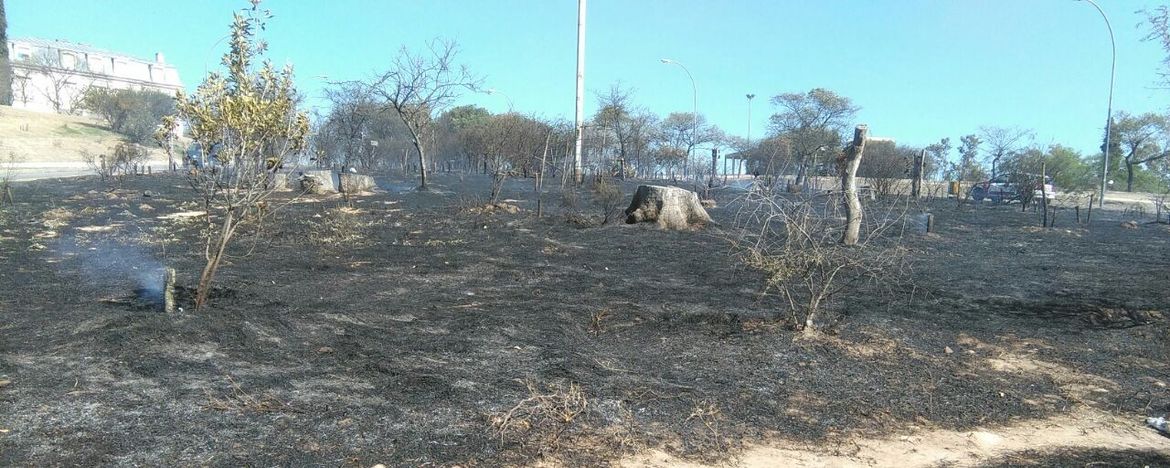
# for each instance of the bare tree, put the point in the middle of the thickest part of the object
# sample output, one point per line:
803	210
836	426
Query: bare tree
616	117
884	167
55	89
639	154
419	86
795	241
1002	142
1158	21
678	131
352	133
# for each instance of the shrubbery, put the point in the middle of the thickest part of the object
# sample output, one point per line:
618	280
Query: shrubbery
133	113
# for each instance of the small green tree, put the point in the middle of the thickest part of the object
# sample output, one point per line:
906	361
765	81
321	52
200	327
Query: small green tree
811	121
968	168
1136	143
248	123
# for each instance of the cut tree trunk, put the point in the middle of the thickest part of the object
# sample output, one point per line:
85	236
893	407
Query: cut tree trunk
169	290
916	175
851	159
668	207
1128	176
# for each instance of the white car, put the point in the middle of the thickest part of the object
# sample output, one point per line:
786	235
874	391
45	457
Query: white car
1003	189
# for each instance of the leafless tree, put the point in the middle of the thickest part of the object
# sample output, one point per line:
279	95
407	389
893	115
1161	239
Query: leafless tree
617	116
795	240
64	88
680	132
1001	142
419	86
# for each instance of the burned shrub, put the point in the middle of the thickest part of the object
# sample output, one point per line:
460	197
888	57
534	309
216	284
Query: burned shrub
796	243
608	197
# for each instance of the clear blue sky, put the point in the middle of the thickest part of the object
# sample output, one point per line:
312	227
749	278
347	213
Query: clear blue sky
920	69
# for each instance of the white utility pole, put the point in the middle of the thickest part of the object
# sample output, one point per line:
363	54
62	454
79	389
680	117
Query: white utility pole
577	174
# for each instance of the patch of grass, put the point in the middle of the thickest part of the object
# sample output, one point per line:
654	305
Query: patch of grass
239	401
79	129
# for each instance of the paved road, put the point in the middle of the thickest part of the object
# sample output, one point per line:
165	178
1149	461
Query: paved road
25	171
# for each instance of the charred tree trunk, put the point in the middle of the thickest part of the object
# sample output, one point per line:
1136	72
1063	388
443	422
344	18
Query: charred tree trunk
214	256
1128	176
169	290
422	167
916	175
850	160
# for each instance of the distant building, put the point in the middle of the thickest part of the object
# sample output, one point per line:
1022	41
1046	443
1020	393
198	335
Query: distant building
52	75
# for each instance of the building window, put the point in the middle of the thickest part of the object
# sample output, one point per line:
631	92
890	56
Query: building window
68	61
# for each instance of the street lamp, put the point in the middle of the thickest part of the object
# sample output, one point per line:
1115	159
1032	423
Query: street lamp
695	106
749	133
1109	111
505	95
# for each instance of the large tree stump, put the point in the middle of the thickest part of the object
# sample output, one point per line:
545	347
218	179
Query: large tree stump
669	207
318	182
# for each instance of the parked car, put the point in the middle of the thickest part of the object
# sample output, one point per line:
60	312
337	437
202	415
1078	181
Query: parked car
1006	188
199	159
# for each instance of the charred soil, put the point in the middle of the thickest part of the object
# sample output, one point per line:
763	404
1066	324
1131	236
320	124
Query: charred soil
444	334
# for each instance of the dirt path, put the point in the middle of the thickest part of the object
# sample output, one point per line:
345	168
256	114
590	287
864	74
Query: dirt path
1081	429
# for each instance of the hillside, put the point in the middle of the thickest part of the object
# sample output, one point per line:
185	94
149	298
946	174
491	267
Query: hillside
36	137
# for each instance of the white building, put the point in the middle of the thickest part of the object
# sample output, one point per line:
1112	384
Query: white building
52	75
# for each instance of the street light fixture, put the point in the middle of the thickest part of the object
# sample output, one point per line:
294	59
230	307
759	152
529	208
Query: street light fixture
1109	111
695	107
505	95
749	123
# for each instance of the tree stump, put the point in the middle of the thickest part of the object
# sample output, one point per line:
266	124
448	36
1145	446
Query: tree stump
318	182
169	290
668	207
312	185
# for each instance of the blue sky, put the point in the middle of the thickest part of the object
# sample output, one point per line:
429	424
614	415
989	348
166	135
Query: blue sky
920	69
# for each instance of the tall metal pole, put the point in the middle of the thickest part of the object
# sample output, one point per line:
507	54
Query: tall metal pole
749	134
695	107
1109	111
577	175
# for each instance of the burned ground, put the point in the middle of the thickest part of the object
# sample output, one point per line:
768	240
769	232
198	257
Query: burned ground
450	335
